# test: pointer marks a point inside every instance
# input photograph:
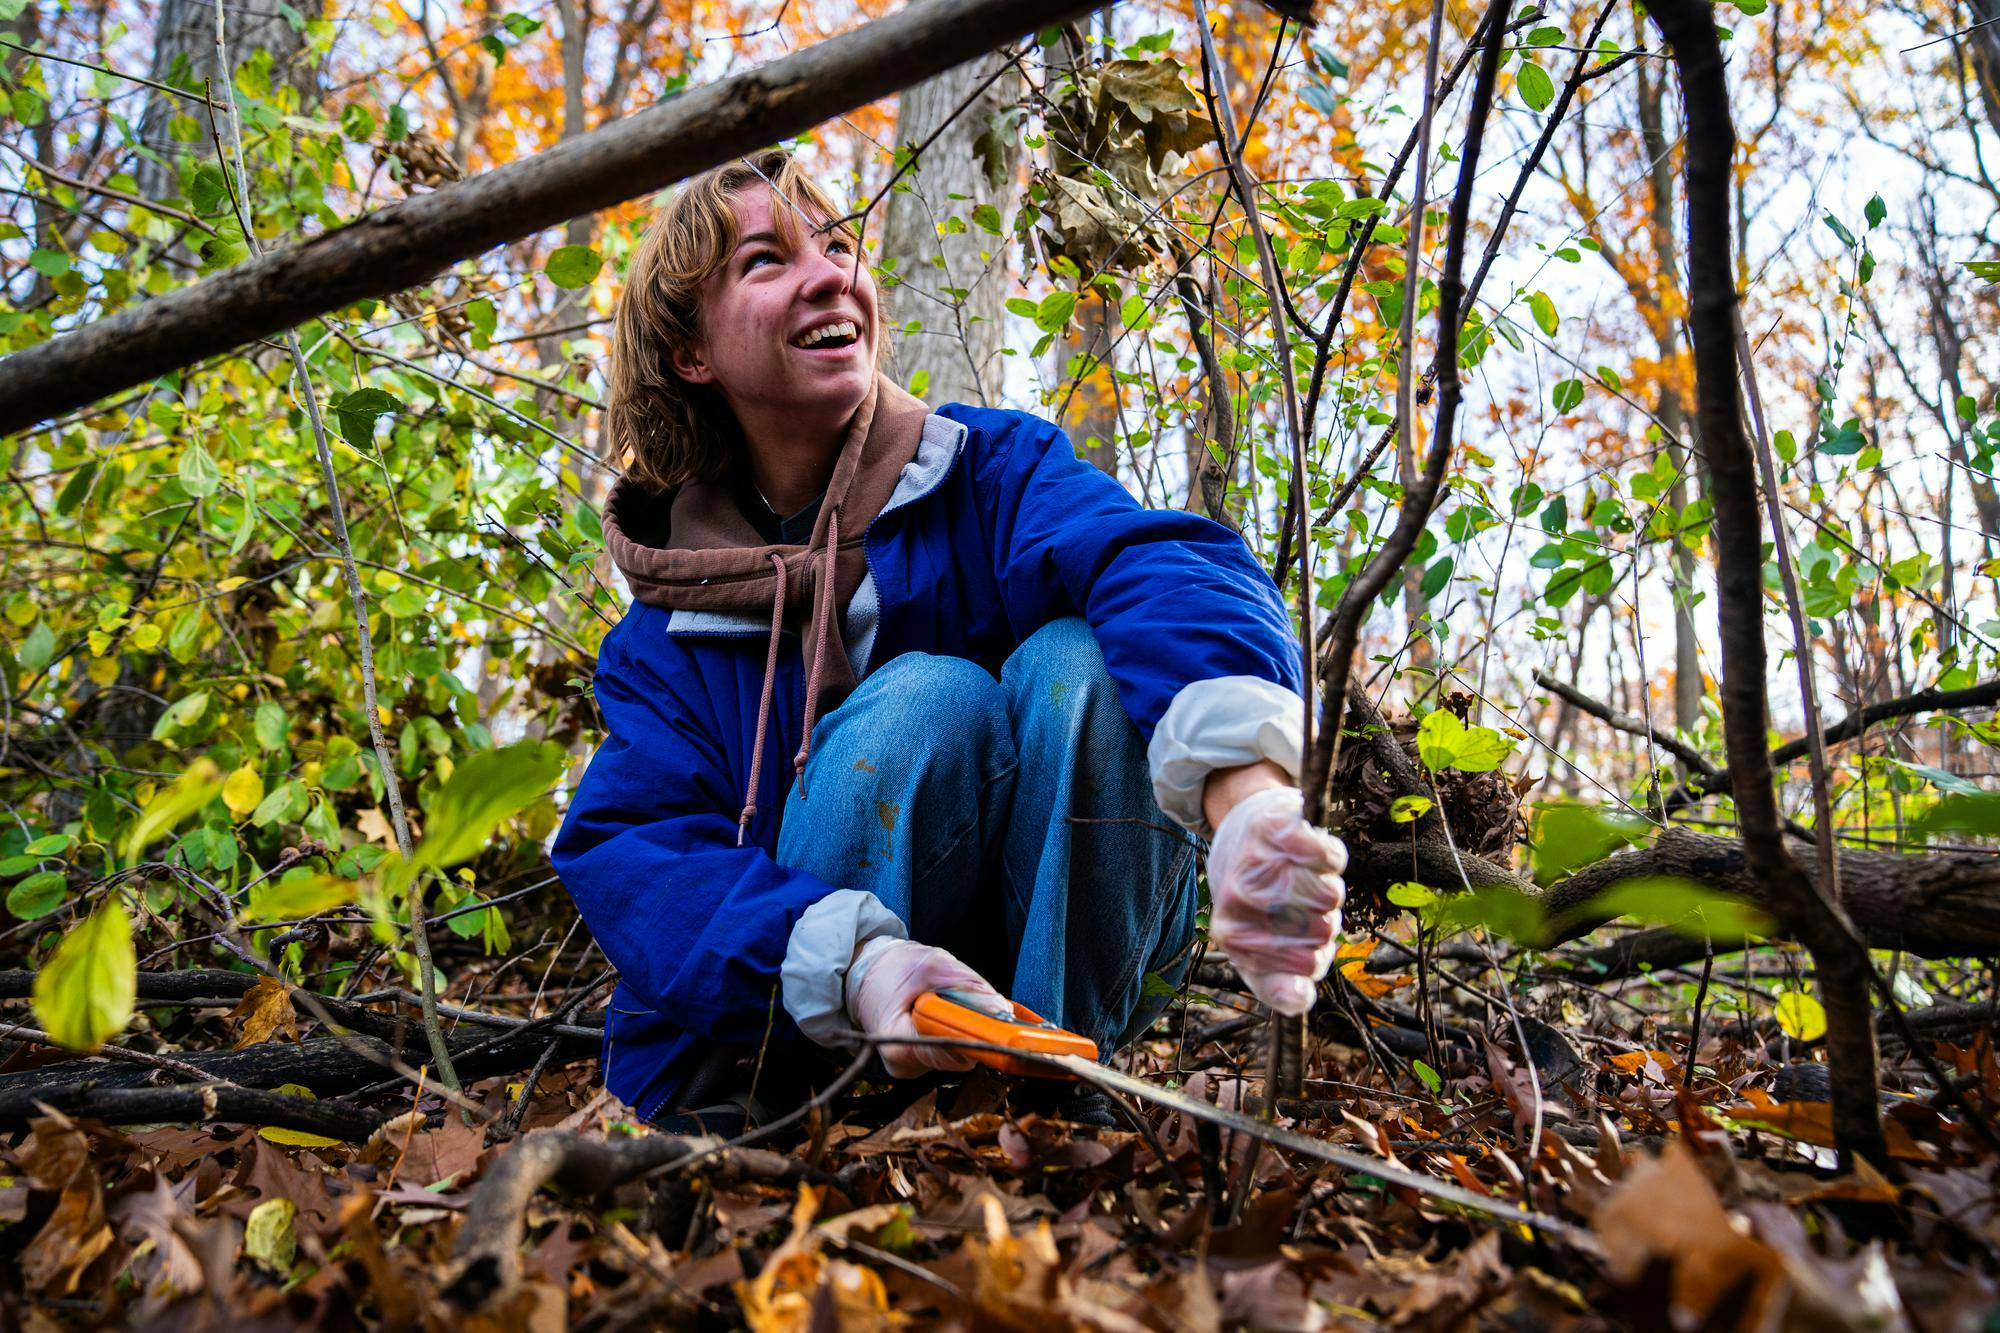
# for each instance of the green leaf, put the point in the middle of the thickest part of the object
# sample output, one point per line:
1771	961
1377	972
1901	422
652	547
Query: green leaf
75	489
83	994
1693	909
1412	895
1547	35
1567	395
1054	311
1846	236
271	724
38	649
1430	1077
1977	814
183	712
358	411
1544	311
1987	270
1436	577
987	218
1568	836
1409	809
572	266
286	802
49	844
210	191
49	263
1875	211
1800	1016
487	788
1536	87
919	383
198	472
484	319
1445	742
38	895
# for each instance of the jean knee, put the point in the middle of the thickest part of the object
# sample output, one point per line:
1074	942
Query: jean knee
926	699
1060	660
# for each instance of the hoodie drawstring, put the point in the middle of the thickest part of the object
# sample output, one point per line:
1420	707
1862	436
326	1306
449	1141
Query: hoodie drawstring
818	662
828	576
764	704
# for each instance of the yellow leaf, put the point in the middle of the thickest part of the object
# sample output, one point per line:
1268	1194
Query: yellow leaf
83	994
146	637
103	670
270	1236
244	791
191	791
296	1138
1801	1016
231	584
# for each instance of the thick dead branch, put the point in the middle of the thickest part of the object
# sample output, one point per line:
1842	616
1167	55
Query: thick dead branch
189	1104
407	244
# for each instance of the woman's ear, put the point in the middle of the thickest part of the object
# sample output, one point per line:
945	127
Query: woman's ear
691	363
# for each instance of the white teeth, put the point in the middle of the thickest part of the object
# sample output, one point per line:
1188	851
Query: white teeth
842	329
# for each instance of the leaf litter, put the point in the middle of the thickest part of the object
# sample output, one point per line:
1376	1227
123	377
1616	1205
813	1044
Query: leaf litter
1703	1201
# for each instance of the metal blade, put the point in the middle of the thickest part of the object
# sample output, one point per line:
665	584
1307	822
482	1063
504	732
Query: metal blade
1111	1080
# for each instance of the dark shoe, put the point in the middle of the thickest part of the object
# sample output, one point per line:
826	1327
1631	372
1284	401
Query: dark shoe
1077	1103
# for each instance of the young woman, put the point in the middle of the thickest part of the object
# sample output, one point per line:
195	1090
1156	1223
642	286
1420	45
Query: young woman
907	699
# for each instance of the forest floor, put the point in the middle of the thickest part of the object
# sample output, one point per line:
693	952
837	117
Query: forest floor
1666	1196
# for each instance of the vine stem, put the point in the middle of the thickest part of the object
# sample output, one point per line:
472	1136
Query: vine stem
1285	1075
239	198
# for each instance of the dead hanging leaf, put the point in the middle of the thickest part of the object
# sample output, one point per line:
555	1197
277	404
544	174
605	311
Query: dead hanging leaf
264	1009
1665	1211
1019	1281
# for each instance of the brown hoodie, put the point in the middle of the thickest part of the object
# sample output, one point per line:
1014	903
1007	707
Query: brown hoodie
692	549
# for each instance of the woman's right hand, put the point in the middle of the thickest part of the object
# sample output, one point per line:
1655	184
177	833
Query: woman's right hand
885	981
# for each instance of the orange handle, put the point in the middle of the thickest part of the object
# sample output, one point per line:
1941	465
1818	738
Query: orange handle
952	1013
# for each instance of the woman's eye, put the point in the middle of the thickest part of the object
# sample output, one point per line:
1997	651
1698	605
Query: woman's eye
758	258
843	247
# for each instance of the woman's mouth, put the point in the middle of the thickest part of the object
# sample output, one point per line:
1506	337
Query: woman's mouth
833	336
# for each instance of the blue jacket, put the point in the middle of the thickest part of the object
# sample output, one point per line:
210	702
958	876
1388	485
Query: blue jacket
994	529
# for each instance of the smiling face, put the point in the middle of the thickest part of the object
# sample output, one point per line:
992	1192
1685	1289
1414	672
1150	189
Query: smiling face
787	329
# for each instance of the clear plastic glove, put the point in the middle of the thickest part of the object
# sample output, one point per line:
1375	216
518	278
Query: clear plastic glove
1275	893
883	983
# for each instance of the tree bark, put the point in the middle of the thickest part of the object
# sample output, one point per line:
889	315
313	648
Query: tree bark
952	282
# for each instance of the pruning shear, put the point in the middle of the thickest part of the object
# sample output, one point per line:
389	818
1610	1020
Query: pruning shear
956	1013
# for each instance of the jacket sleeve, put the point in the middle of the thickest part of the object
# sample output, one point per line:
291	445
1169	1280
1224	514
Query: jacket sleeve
1192	629
697	926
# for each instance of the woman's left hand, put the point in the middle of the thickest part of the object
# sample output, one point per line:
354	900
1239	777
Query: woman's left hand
1275	891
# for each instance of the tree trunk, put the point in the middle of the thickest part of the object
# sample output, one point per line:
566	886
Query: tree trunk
184	42
951	281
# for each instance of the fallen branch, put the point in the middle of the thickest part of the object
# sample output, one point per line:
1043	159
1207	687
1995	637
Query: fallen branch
190	1105
407	244
486	1262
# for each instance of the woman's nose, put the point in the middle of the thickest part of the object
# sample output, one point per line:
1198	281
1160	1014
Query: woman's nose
822	275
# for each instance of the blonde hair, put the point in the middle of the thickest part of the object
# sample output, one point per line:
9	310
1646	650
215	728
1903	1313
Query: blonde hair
663	430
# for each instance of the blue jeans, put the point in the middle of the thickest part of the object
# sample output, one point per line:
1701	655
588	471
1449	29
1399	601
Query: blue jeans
1011	822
